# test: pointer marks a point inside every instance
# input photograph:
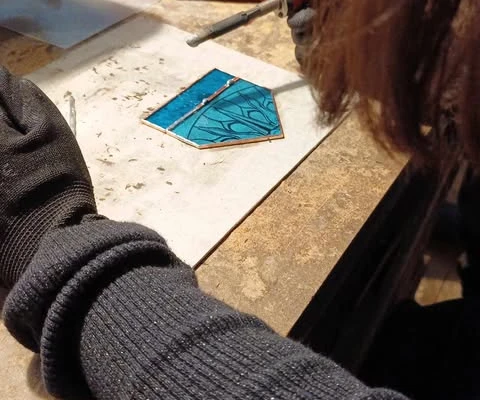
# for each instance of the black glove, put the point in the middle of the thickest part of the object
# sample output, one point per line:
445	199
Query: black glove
44	182
301	24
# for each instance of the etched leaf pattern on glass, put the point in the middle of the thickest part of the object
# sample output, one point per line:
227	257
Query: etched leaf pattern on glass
248	112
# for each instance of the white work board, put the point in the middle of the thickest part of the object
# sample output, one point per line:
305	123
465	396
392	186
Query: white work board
193	197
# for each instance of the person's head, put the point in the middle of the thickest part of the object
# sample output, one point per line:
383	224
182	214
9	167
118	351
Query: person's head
404	64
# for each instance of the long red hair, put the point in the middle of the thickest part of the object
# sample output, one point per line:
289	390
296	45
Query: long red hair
400	64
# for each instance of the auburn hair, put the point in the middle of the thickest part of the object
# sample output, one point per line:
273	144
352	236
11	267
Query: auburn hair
401	65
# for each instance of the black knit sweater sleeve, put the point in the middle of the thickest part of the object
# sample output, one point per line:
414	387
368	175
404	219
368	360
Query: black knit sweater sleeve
116	315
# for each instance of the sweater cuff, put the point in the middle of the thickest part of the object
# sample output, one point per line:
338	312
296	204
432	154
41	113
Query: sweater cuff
45	309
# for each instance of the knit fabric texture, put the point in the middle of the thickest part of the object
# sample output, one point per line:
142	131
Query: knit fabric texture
115	314
44	182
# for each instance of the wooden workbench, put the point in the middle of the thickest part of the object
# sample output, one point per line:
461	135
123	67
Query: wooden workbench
275	261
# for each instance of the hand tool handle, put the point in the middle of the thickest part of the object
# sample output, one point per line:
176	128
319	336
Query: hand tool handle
229	24
233	22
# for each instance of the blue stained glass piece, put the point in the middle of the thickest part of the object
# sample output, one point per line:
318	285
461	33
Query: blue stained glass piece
243	112
189	99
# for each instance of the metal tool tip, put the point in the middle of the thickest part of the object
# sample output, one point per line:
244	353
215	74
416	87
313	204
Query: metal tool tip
193	41
200	37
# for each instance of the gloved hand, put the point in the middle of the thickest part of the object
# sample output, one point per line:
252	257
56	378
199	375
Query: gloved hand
44	182
300	24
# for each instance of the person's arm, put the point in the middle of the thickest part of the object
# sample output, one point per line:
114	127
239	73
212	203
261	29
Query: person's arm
123	317
111	310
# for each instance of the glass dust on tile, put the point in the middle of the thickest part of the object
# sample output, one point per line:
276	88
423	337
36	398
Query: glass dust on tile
219	110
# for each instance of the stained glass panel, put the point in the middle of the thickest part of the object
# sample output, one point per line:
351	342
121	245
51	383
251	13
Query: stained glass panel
218	110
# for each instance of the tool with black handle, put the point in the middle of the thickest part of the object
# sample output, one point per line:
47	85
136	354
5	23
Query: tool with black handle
282	8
